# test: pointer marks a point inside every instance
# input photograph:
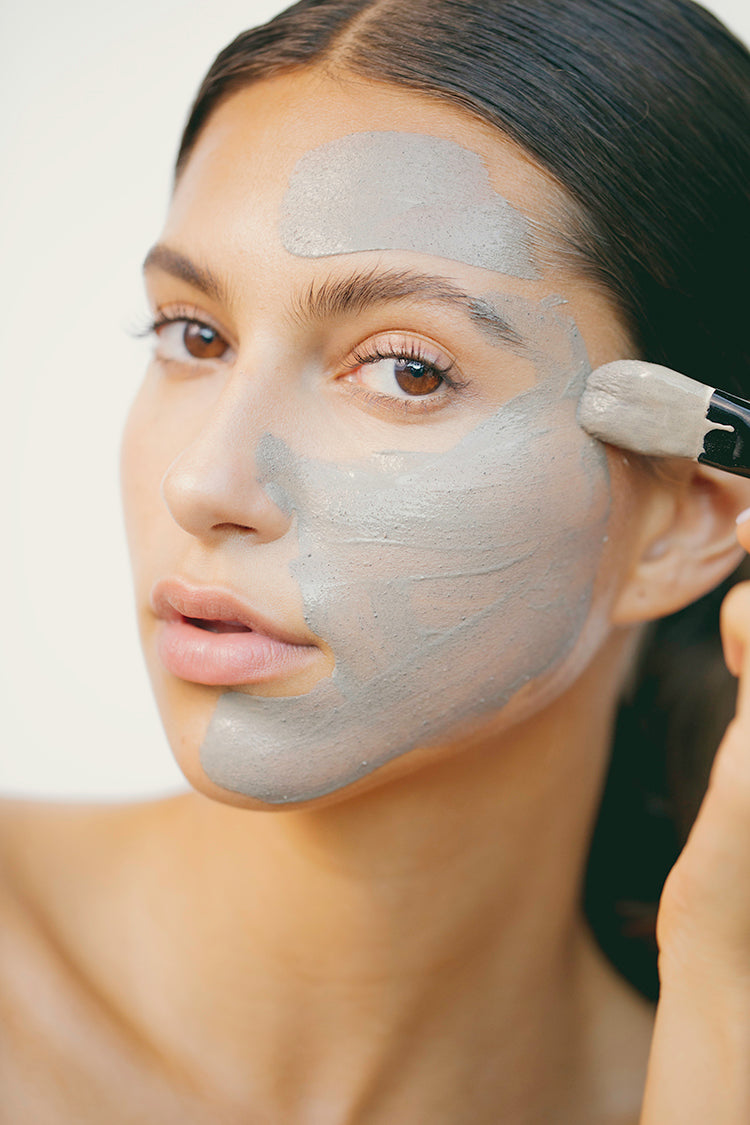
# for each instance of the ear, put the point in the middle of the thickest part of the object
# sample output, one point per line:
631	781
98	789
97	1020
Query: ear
687	543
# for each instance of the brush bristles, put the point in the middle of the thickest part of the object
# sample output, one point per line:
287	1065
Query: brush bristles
645	408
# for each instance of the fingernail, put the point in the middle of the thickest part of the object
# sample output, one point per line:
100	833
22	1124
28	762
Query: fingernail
743	517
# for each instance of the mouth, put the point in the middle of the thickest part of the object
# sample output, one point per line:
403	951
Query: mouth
208	636
217	626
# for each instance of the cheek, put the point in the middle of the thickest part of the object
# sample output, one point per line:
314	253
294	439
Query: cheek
146	451
480	558
443	585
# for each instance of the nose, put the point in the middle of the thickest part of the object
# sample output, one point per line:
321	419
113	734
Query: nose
212	486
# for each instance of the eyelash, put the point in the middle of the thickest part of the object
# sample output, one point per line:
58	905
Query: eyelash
404	352
179	316
409	353
361	356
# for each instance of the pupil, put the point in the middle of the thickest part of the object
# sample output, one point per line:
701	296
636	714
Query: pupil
416	378
203	342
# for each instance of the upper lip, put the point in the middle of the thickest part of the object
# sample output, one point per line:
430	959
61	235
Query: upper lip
172	599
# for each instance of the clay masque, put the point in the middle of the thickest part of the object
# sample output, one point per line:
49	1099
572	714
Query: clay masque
443	582
403	191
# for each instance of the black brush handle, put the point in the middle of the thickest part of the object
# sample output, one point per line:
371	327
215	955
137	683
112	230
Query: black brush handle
724	449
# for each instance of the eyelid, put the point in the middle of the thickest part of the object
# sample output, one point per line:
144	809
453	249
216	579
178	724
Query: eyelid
406	345
171	314
407	408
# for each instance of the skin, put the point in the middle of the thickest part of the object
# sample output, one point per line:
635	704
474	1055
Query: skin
410	948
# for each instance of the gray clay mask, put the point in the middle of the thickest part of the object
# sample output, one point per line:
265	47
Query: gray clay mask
443	582
403	191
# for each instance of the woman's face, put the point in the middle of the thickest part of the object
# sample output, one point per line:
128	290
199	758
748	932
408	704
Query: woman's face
362	516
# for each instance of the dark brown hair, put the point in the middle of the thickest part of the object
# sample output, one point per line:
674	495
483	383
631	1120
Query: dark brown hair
640	110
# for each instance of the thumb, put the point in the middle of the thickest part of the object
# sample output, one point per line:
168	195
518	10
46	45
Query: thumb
703	925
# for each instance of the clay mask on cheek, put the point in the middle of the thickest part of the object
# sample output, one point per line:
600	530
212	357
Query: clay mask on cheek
443	582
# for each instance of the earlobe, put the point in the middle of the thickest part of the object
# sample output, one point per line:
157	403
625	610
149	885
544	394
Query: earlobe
687	546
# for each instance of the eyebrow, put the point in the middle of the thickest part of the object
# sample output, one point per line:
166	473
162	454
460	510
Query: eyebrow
178	265
337	297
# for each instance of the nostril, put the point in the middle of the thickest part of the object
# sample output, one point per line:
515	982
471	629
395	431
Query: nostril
234	527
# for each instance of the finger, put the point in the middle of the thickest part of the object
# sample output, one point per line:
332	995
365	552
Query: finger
734	615
704	914
735	636
703	925
743	529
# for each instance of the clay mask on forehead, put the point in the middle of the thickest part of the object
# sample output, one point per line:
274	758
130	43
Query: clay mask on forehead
403	191
443	582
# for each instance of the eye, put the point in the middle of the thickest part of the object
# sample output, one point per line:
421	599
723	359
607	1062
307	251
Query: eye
405	374
182	339
401	377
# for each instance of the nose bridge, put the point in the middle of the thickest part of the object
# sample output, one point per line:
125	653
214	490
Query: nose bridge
213	482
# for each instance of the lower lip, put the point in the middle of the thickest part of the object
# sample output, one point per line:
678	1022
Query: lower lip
227	658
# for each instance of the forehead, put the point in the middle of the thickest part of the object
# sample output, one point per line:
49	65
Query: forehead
350	194
248	151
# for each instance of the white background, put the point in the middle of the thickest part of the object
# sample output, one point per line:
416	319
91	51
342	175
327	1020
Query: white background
92	100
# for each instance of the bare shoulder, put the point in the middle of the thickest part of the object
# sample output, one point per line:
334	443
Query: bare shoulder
73	870
54	848
68	1050
59	861
38	841
70	875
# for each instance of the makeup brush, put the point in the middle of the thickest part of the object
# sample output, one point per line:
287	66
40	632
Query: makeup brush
652	410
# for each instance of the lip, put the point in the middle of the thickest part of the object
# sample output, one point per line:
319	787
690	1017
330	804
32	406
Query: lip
258	651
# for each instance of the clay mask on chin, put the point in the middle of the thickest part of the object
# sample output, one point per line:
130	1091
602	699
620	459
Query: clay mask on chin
443	582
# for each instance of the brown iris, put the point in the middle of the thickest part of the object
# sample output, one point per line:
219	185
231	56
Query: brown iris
416	378
203	342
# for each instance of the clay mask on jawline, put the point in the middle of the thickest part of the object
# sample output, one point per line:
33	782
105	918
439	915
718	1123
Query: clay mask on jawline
443	582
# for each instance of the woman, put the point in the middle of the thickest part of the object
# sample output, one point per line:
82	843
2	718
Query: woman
391	594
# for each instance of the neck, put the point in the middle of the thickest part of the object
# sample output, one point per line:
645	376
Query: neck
437	917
